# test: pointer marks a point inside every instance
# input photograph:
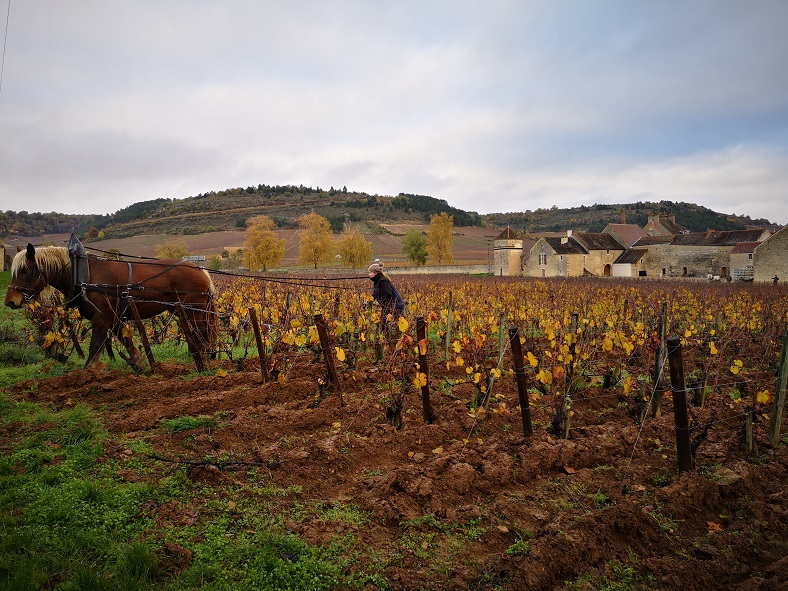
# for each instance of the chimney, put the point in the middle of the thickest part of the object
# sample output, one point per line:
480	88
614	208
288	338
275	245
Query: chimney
569	233
623	216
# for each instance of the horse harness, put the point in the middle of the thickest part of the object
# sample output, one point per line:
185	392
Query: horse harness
81	280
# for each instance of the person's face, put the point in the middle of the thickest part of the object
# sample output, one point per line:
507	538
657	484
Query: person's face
371	274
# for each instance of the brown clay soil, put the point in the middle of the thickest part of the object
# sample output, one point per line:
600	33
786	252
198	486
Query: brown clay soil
611	492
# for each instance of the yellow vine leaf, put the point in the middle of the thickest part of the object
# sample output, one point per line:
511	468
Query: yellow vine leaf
221	373
457	347
533	361
340	353
763	396
713	349
402	323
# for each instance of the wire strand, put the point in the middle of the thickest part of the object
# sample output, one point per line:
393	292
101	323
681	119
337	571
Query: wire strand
5	41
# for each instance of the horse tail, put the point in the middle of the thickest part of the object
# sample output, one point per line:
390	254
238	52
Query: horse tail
212	291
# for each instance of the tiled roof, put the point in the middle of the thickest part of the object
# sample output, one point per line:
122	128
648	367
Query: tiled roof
508	234
671	226
631	256
571	246
598	241
651	240
629	233
745	247
727	238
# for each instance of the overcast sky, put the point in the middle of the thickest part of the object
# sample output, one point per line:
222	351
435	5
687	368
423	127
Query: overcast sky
494	106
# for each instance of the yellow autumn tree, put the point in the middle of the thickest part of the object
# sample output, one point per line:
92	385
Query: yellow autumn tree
263	248
355	250
440	239
315	242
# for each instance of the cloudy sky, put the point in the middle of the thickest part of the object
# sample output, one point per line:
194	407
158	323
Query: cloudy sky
492	105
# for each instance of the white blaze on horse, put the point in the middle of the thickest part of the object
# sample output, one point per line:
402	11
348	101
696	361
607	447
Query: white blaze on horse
101	289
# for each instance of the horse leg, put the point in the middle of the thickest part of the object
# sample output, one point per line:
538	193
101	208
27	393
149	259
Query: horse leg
99	335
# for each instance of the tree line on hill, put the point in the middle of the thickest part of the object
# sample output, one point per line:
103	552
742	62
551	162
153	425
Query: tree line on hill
286	204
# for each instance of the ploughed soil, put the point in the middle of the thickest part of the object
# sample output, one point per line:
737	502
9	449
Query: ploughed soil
467	502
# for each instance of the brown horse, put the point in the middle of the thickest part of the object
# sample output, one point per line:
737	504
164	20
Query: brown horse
101	291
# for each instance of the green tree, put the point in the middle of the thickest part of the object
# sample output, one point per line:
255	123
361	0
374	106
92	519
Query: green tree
175	249
355	250
214	262
263	248
234	259
315	242
440	239
414	245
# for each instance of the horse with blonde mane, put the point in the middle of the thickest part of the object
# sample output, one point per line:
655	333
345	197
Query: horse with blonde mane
103	292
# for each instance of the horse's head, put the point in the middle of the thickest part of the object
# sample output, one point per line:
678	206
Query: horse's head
27	280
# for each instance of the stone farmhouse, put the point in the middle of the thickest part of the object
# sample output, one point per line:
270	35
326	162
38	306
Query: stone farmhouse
663	248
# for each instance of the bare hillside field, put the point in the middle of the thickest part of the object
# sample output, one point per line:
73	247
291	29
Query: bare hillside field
471	244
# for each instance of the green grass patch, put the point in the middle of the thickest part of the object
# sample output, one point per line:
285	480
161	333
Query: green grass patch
617	577
187	423
69	521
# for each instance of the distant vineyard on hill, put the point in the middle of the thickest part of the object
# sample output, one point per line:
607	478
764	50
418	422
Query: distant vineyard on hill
229	209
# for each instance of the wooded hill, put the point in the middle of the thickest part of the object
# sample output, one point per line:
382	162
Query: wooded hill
229	210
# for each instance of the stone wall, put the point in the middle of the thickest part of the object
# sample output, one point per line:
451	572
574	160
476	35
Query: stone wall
687	261
443	269
771	258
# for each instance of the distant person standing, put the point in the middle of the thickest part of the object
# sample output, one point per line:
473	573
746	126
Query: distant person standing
775	279
385	294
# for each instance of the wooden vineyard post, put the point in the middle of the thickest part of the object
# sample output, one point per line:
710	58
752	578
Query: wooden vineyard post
336	305
681	418
567	414
258	337
779	395
501	342
448	328
141	329
519	374
329	359
421	337
570	373
659	362
72	333
189	336
748	422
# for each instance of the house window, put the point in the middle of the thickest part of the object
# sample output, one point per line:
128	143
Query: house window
749	255
542	259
